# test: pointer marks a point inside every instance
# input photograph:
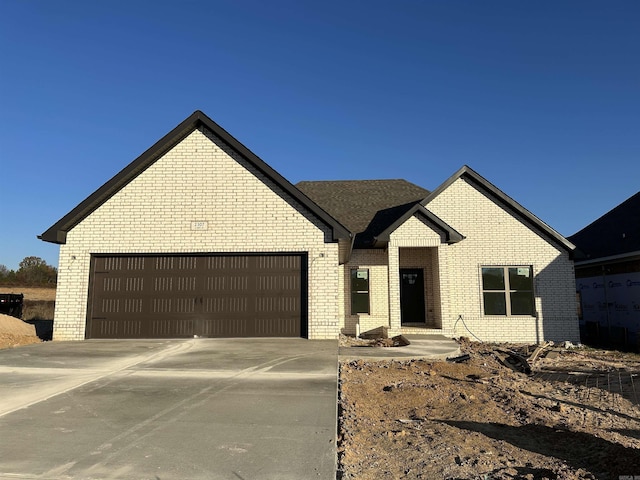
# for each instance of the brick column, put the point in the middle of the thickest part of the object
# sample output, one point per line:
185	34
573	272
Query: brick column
394	290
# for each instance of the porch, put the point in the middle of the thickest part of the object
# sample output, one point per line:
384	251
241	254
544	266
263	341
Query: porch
398	289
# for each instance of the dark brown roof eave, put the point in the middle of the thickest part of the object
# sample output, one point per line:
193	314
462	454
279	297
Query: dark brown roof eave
54	236
57	232
451	234
514	207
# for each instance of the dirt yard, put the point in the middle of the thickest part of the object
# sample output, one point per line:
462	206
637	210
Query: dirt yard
576	416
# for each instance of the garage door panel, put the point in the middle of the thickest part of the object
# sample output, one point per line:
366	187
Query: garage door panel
174	327
222	305
107	328
182	296
265	326
225	327
132	328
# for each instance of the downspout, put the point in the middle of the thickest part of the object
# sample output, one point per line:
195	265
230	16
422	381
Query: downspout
353	241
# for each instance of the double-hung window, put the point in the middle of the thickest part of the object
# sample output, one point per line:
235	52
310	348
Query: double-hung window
359	290
508	290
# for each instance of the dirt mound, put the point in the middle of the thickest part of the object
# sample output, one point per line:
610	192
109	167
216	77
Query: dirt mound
14	332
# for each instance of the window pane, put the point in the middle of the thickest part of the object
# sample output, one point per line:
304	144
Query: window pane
359	285
359	280
360	303
359	290
521	303
493	279
495	303
520	278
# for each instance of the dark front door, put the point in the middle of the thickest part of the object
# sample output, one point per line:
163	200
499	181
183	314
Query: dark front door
412	295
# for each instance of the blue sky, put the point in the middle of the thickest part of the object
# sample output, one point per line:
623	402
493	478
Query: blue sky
541	98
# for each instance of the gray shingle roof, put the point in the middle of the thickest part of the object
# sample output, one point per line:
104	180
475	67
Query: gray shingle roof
615	233
366	207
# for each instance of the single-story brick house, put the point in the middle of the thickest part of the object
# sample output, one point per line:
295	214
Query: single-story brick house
200	237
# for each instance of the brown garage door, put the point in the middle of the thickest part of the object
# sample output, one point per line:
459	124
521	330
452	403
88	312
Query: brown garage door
211	296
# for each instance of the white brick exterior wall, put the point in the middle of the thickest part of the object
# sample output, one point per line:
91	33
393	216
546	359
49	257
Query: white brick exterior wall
199	181
375	260
452	273
415	233
495	237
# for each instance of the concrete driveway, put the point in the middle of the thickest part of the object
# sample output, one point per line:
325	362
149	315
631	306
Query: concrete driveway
174	409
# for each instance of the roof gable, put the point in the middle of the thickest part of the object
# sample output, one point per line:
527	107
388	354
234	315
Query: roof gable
506	202
366	207
57	233
450	234
617	232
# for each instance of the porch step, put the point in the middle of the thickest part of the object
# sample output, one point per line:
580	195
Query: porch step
421	331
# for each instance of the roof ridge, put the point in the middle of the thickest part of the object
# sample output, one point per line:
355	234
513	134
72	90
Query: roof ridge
363	180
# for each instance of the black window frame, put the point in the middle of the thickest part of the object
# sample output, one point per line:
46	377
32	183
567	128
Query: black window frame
360	291
501	295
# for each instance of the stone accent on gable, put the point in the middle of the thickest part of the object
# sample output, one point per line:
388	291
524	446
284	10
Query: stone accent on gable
199	180
495	237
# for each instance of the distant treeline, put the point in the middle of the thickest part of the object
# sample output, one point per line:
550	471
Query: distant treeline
32	272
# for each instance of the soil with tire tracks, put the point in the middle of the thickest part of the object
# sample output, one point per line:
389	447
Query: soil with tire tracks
481	419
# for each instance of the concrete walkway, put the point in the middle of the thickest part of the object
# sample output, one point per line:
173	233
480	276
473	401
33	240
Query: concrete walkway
176	409
429	347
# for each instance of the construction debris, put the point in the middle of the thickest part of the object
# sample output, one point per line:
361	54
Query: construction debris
374	341
400	341
539	350
514	361
376	333
459	359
